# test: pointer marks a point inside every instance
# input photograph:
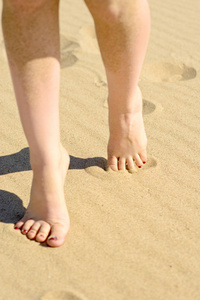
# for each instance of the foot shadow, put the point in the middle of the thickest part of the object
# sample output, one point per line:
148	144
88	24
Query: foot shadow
20	162
16	162
11	207
77	163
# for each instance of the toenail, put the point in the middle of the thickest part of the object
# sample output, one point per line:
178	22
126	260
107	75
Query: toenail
144	162
16	227
24	231
53	238
139	167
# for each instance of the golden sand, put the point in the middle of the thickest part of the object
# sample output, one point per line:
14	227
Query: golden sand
133	236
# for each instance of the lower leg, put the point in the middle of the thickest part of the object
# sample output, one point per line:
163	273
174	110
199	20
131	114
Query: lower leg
31	36
122	28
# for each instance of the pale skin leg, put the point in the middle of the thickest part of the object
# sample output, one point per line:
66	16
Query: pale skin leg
31	36
123	28
33	53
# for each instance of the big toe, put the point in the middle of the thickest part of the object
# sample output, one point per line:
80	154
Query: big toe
143	157
58	235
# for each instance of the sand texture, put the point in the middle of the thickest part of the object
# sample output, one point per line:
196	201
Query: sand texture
133	236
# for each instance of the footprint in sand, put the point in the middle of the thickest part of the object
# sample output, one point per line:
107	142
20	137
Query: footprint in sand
100	83
68	58
98	168
162	71
148	107
63	295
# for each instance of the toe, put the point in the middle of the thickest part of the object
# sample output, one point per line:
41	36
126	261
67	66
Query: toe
19	224
122	163
43	233
143	157
131	164
58	234
112	163
138	161
33	230
27	225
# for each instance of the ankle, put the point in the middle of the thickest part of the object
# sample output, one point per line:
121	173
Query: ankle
125	106
46	159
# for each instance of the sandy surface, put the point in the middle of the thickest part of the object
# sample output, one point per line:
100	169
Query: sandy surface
133	236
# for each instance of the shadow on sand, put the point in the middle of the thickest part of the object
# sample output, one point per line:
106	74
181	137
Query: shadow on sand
19	162
11	206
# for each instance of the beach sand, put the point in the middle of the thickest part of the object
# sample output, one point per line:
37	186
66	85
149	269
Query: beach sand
133	236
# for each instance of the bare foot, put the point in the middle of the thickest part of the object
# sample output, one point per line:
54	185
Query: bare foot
128	141
46	218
